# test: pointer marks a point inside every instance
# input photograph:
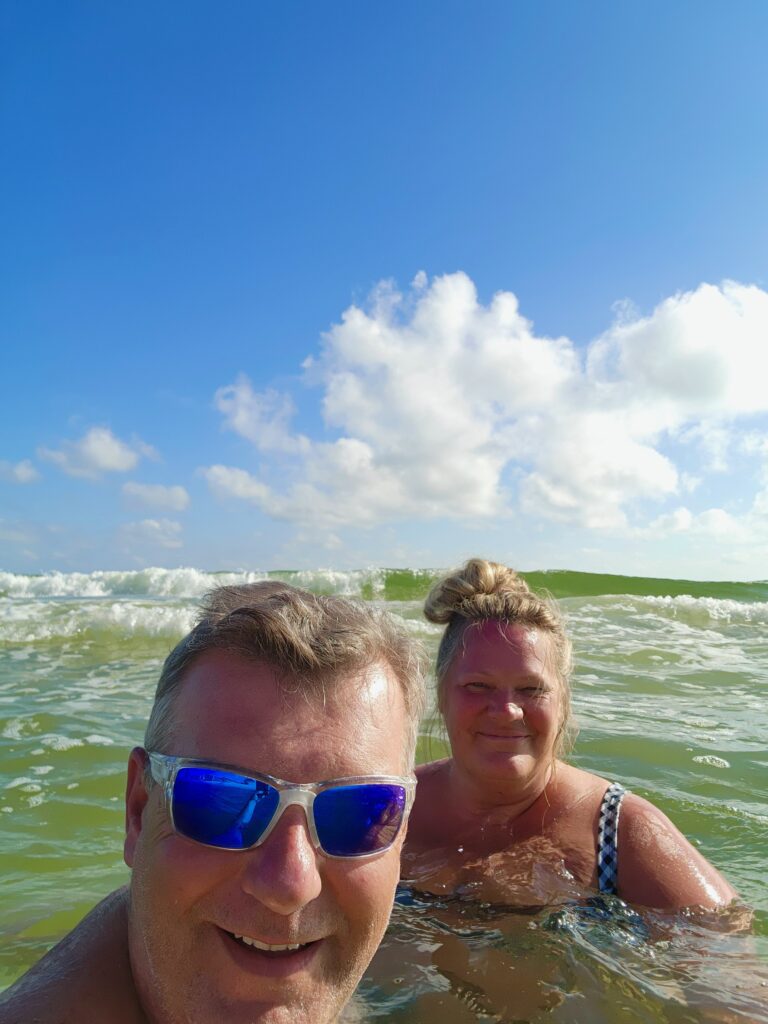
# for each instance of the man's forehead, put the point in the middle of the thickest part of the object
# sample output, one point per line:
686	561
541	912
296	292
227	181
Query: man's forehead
360	694
229	706
220	671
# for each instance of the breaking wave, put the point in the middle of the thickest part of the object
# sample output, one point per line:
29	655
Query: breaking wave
159	602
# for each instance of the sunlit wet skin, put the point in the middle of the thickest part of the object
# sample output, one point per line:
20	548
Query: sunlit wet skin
541	856
502	819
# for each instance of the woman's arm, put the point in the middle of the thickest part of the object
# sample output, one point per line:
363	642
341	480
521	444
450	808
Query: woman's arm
658	867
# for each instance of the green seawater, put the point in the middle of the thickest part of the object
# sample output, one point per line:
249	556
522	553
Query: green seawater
671	695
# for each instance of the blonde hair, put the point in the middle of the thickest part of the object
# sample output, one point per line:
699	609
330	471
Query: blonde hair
481	591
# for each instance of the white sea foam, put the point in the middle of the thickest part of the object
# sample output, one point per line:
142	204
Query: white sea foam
153	582
711	759
150	602
56	742
19	728
346	584
712	609
178	583
32	621
697	611
23	783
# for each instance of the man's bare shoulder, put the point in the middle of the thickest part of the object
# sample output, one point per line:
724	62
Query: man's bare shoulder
85	978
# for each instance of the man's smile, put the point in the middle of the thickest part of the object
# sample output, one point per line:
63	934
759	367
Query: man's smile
266	946
267	958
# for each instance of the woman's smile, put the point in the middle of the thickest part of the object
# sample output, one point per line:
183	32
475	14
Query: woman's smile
497	734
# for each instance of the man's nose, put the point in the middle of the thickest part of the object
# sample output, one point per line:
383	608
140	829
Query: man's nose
283	872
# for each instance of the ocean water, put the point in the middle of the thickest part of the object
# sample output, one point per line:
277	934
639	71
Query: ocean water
671	694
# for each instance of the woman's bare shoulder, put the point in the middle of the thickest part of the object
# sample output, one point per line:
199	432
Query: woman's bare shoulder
659	867
576	794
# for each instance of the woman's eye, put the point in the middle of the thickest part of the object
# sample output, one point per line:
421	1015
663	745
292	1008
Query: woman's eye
476	687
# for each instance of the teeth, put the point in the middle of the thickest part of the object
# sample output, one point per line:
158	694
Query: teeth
266	946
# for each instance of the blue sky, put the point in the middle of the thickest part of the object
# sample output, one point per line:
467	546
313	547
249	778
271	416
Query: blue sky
308	284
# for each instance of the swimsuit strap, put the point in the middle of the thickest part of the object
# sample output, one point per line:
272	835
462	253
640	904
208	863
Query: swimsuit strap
607	847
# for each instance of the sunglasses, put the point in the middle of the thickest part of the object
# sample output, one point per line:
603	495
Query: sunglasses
221	806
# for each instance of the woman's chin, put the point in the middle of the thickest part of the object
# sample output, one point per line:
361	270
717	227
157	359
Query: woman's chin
506	764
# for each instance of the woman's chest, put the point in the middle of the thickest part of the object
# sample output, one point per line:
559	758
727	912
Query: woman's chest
522	870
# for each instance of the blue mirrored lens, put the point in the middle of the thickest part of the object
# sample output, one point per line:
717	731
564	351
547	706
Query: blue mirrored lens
354	820
221	808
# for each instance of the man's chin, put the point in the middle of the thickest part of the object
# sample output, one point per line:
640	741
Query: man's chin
302	988
268	990
314	1008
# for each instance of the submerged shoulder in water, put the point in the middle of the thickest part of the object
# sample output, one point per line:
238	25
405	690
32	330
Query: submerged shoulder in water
456	957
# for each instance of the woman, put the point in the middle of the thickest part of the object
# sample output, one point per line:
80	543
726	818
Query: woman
505	817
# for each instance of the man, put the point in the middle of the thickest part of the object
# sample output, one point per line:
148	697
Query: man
255	894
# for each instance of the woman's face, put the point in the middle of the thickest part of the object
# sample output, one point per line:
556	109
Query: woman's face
501	704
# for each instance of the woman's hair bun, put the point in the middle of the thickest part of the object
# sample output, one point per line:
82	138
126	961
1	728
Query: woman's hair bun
480	589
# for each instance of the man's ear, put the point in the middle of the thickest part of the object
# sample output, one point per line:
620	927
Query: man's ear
136	796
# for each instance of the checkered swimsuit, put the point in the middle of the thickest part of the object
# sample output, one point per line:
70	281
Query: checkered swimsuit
607	847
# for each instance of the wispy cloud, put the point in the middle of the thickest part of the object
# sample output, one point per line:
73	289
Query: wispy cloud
445	407
229	482
17	533
18	472
97	452
261	418
152	533
175	498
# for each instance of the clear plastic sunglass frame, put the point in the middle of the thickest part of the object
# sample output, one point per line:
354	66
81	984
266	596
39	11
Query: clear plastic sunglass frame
165	767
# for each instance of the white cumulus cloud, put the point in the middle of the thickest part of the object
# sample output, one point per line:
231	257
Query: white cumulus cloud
702	351
441	406
97	452
174	498
18	472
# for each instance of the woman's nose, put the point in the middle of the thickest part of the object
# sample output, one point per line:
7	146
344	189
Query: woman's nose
508	704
